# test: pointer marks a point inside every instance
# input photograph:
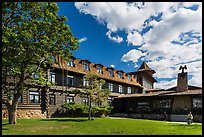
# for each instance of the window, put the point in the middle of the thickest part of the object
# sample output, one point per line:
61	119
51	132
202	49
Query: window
110	72
70	63
35	76
99	70
85	101
129	90
11	95
109	102
52	99
129	77
70	80
163	103
20	99
110	86
143	105
120	89
34	97
86	66
120	75
85	82
70	99
197	102
53	58
52	77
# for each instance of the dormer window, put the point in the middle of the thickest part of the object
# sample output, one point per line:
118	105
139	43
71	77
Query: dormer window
86	66
110	71
120	75
70	63
99	70
129	78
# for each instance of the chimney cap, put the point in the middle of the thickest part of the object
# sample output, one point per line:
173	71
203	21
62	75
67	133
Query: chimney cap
182	68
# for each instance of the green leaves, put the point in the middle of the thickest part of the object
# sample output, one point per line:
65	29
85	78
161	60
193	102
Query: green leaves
30	32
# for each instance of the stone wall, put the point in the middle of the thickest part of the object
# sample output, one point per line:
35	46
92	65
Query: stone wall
25	113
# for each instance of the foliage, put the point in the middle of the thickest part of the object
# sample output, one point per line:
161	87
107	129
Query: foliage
32	33
94	91
75	109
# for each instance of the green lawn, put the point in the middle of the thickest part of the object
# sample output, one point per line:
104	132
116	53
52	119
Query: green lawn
99	126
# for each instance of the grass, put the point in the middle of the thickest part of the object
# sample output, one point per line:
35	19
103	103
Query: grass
98	126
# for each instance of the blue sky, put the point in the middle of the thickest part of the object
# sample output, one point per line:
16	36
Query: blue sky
125	35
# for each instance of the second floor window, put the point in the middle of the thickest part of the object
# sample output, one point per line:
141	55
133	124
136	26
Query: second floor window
110	86
129	77
70	63
34	97
120	75
120	88
129	90
70	80
99	70
110	72
52	77
85	82
86	66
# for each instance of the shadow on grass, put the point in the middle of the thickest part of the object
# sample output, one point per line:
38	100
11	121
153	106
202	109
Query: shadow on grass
5	129
4	124
65	120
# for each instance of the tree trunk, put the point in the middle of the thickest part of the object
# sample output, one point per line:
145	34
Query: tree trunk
12	114
89	108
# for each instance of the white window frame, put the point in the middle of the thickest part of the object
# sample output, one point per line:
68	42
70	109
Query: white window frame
86	66
70	63
129	90
129	77
85	82
99	70
110	86
120	75
70	99
34	94
52	77
72	77
110	72
120	88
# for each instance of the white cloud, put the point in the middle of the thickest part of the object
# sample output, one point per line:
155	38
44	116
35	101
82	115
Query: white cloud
82	39
156	45
134	38
115	39
165	84
112	65
132	55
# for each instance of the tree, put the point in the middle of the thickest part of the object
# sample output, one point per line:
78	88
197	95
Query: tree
94	91
32	33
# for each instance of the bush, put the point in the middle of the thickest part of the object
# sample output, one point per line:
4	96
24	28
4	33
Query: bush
102	111
76	109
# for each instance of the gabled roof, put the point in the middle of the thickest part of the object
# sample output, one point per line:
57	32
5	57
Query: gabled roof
144	66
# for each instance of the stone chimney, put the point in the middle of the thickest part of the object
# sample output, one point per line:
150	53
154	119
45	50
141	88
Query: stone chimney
182	80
